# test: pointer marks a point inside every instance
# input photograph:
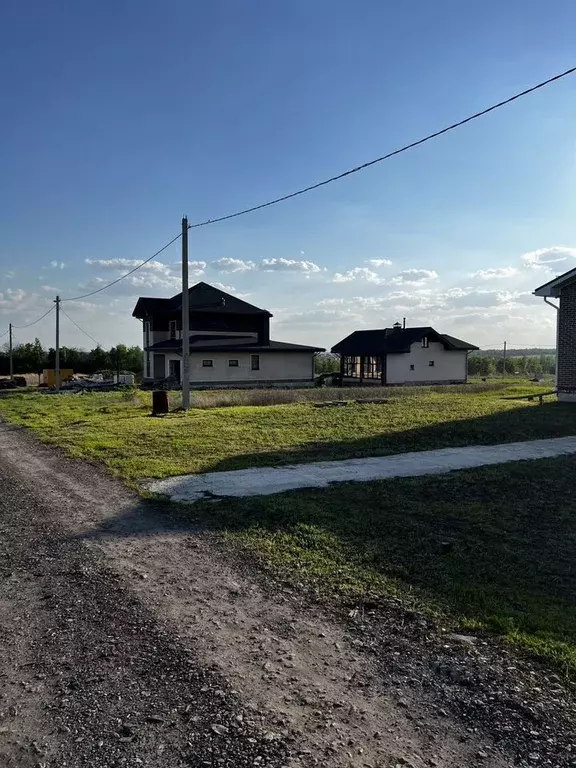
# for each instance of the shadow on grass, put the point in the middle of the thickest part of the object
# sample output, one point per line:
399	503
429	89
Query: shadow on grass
493	547
530	423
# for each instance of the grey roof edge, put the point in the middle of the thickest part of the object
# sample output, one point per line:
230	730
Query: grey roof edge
174	345
554	286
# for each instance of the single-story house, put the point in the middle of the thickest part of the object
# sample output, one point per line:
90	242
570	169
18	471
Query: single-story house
563	288
400	355
229	342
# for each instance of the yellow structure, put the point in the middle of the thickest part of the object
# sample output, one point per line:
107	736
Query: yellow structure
49	376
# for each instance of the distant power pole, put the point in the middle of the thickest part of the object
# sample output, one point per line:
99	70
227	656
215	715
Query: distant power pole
185	320
11	355
57	355
504	360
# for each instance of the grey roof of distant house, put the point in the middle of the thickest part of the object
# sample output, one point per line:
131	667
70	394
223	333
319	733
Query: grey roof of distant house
384	341
203	298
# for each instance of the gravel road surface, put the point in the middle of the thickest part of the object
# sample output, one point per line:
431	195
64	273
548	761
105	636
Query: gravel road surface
128	638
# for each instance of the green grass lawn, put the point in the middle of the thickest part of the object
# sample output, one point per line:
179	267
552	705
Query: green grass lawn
491	549
117	430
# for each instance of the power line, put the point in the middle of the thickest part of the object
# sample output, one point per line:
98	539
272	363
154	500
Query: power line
29	325
335	178
80	329
5	333
390	154
104	287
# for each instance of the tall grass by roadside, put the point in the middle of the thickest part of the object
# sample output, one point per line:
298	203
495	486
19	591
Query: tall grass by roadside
224	398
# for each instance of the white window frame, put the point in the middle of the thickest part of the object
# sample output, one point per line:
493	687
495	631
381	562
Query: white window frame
425	342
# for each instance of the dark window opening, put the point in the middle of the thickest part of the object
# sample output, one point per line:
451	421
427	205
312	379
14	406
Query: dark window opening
207	363
411	367
233	363
148	366
172	328
425	342
255	362
431	363
372	367
350	366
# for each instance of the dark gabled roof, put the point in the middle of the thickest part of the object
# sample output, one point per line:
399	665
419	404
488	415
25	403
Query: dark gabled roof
199	343
385	341
554	286
203	298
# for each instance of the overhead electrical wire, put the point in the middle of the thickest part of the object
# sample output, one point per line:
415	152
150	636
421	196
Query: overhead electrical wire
79	328
29	325
389	154
339	176
109	285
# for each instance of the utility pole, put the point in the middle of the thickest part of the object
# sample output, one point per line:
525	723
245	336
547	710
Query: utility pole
504	360
11	355
185	319
57	355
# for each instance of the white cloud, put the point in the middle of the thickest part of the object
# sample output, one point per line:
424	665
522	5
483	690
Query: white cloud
377	263
315	317
49	288
151	280
414	276
495	274
232	265
57	264
288	265
9	275
125	265
358	273
542	257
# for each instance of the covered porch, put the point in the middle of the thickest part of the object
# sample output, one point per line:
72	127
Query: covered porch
363	369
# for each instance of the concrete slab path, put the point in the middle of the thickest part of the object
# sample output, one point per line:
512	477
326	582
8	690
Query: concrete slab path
261	481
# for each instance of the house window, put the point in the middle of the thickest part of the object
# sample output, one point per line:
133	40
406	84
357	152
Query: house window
172	328
207	363
431	363
255	362
233	363
411	367
350	366
147	365
147	327
372	367
425	342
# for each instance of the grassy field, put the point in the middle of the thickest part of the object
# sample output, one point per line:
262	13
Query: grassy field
491	549
117	430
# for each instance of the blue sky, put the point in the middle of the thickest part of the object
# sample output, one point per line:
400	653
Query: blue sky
120	117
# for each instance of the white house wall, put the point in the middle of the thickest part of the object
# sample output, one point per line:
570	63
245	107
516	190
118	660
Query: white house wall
274	366
449	365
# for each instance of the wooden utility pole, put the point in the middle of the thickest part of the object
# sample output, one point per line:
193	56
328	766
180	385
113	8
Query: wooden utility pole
504	360
57	355
11	353
185	320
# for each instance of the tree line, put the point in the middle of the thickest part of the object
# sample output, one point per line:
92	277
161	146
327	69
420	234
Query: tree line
32	357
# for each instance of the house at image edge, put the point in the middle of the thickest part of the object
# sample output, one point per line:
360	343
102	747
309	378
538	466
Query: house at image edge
401	355
229	342
563	288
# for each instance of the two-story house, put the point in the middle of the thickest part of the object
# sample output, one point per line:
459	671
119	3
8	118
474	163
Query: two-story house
229	342
400	355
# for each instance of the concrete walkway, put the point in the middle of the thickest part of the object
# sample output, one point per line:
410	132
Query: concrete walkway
261	481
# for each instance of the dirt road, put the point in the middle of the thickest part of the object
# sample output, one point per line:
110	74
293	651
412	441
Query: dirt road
129	638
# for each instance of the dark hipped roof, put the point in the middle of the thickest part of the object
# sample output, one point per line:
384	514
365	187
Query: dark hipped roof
394	340
554	286
203	298
212	343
